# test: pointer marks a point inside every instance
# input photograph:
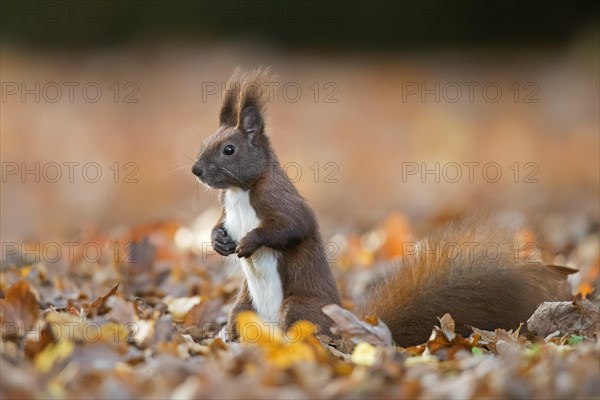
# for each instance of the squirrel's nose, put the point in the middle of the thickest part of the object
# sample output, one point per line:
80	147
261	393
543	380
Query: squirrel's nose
197	170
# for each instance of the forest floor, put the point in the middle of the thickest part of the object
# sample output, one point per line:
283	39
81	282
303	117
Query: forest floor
134	313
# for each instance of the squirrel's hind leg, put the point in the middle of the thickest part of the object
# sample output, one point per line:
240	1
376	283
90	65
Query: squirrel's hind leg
243	302
296	308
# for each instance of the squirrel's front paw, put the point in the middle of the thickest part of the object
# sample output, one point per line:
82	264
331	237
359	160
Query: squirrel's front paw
222	242
248	245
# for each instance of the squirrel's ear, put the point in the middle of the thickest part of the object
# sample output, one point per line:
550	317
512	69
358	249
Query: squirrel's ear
251	123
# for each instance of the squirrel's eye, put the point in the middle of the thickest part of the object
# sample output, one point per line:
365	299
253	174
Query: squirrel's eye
229	150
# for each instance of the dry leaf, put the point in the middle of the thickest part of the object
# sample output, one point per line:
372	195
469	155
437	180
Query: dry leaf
19	310
143	332
447	326
52	354
98	306
121	310
179	307
252	329
364	354
282	350
580	318
349	326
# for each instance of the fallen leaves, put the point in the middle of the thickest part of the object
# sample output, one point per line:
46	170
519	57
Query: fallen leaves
52	354
579	317
282	349
98	306
19	310
364	354
145	324
349	326
179	307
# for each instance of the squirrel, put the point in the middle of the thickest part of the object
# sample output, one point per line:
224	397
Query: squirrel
275	234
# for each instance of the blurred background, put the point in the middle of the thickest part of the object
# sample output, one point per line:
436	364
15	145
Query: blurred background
429	109
390	117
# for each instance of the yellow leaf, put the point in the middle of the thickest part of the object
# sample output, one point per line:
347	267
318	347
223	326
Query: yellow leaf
53	353
252	329
284	356
364	354
298	344
422	359
25	271
300	331
56	389
113	332
68	326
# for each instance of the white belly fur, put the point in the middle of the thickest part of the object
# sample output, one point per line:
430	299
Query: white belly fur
260	270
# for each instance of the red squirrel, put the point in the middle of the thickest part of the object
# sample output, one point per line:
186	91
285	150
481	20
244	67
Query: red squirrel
274	232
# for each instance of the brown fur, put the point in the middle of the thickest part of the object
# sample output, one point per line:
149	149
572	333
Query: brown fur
474	288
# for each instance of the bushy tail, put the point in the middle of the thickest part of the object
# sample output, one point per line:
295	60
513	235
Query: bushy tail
472	270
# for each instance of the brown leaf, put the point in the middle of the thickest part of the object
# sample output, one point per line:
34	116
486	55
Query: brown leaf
491	339
484	337
510	335
200	320
444	343
98	306
447	326
579	317
350	327
438	340
121	311
19	311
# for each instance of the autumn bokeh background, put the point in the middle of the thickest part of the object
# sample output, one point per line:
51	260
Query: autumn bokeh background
368	109
391	117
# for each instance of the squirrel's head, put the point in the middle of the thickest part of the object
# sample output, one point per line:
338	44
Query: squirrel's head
238	153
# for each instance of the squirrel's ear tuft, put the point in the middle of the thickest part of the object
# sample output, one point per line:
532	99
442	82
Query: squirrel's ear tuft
229	109
228	114
245	100
251	123
253	97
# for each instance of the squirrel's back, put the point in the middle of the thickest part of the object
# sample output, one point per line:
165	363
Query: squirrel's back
471	270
